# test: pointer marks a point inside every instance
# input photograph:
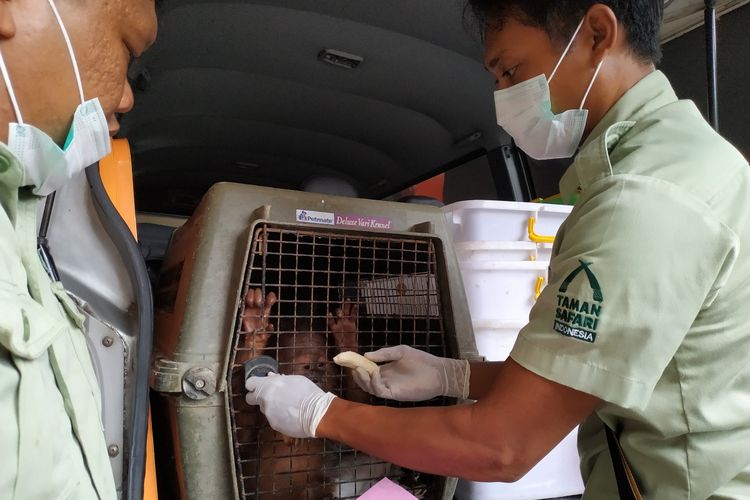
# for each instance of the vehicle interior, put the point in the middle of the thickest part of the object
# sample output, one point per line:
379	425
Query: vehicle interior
364	99
243	92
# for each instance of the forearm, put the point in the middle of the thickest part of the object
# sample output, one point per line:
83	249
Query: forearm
445	441
483	376
498	439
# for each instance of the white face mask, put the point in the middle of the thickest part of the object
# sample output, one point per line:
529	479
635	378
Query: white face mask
46	166
525	112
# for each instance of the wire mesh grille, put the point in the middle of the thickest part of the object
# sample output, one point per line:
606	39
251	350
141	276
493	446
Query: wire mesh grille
310	295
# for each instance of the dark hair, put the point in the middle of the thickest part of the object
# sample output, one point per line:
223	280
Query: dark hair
641	19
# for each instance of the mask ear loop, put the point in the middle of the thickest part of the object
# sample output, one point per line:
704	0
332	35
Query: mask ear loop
591	85
565	52
70	48
9	86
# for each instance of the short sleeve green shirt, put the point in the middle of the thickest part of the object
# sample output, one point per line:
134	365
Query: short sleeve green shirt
648	304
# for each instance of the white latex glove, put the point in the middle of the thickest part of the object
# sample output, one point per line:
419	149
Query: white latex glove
293	404
414	375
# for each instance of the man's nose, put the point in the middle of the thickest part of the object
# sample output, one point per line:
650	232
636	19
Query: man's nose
127	101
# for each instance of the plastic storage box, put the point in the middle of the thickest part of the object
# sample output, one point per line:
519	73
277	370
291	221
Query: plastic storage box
495	339
503	290
504	250
505	221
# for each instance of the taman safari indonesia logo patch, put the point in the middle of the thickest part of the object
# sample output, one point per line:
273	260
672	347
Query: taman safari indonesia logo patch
575	317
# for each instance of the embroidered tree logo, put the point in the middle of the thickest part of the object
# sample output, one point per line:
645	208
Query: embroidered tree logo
593	282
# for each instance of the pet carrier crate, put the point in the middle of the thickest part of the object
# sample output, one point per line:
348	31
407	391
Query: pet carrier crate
298	277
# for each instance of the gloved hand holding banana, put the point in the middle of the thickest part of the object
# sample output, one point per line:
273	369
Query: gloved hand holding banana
295	406
409	374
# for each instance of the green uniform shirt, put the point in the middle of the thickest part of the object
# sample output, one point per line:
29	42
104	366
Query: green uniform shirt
51	433
648	303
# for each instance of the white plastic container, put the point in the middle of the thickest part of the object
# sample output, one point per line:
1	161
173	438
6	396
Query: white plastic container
504	249
544	252
502	290
497	251
505	221
558	474
495	339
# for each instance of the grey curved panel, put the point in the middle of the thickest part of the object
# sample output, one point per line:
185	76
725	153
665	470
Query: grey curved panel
100	264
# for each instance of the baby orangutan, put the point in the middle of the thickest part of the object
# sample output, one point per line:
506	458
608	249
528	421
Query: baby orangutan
284	467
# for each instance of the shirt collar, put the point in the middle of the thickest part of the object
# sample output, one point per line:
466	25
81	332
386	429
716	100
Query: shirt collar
648	95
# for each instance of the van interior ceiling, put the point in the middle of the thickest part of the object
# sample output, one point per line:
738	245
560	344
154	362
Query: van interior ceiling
243	91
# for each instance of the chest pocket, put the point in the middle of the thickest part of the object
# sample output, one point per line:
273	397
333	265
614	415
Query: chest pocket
28	328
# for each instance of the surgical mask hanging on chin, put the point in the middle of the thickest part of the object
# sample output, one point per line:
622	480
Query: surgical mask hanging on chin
47	167
525	112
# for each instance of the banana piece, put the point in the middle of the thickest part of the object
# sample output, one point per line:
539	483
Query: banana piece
353	360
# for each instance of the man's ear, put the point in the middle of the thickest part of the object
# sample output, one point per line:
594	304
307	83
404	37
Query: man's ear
602	22
7	23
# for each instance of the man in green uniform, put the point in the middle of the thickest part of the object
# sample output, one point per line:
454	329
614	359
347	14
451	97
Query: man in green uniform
644	327
64	77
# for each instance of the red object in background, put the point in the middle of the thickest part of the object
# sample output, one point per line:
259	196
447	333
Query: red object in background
431	188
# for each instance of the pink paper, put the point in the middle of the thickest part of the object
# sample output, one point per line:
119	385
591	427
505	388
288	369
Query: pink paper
387	490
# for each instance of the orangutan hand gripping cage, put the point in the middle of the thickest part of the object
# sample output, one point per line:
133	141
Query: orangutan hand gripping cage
300	278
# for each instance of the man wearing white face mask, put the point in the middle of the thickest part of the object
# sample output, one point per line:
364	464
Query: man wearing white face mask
524	110
63	66
641	335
